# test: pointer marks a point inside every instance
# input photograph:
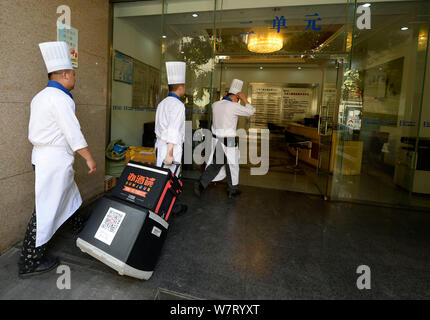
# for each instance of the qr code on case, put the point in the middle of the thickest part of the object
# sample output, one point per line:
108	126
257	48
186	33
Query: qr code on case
112	221
109	226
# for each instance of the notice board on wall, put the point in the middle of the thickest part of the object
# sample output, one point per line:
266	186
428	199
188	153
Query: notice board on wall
144	79
69	35
122	67
146	84
280	103
296	103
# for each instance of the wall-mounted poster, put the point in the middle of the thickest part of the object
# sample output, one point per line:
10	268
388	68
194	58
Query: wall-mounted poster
146	81
279	103
123	68
140	84
70	35
297	103
267	100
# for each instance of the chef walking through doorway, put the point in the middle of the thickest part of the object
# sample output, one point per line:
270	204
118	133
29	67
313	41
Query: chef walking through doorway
225	116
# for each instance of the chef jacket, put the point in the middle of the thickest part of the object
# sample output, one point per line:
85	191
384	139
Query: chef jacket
170	128
55	134
225	116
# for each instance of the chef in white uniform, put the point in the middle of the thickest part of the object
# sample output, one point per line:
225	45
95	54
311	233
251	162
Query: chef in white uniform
170	124
224	124
55	134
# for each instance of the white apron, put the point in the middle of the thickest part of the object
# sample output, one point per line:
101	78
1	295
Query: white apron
57	195
161	147
233	155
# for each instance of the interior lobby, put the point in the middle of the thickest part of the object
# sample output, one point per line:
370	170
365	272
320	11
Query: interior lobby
345	106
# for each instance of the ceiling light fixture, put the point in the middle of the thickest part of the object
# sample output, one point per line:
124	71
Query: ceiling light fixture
404	28
164	37
300	68
195	15
261	68
366	5
265	43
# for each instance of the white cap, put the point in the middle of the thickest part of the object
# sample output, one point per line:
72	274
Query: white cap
236	86
56	55
175	72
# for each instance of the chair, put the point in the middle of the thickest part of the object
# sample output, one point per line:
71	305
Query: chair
297	142
275	128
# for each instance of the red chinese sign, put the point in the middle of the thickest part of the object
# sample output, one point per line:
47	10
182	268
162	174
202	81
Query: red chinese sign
139	185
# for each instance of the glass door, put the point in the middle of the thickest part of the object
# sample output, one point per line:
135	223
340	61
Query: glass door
327	113
290	51
295	89
189	36
381	141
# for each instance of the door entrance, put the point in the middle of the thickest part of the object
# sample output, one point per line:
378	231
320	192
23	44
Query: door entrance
288	57
298	118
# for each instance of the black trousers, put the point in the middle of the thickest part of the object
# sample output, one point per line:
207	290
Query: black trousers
30	255
213	169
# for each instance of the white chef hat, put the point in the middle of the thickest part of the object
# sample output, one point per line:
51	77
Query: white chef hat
236	86
56	55
175	72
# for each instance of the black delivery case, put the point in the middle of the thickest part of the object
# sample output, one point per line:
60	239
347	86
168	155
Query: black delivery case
149	187
127	229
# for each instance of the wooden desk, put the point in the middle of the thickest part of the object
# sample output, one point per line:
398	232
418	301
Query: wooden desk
352	150
349	152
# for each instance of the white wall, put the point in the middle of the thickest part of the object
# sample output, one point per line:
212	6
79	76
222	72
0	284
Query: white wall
128	125
273	74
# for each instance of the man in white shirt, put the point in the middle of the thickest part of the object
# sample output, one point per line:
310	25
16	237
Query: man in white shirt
55	134
170	124
225	116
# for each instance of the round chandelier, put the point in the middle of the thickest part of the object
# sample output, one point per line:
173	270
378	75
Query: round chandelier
265	43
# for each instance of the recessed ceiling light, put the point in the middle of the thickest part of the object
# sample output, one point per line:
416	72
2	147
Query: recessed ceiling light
261	68
164	37
300	68
404	28
182	52
195	15
366	5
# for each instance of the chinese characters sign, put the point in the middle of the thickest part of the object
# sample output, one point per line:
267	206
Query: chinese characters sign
279	23
279	104
70	35
138	184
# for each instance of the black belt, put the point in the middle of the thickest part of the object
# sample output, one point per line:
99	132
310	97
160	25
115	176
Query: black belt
228	141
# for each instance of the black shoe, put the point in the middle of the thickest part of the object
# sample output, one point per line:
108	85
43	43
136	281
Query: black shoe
233	193
47	264
198	189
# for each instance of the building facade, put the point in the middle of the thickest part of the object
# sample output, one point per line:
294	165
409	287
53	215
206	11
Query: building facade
350	78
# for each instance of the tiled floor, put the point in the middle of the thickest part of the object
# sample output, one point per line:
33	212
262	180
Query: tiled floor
265	244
